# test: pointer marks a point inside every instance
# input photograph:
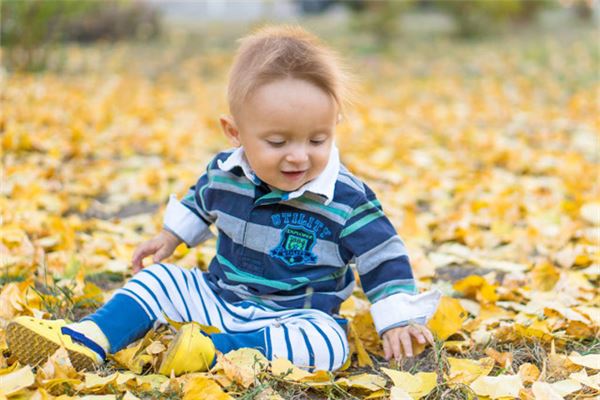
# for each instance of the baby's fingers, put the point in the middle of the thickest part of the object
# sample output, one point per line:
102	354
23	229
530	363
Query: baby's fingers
162	253
406	344
387	349
141	252
425	333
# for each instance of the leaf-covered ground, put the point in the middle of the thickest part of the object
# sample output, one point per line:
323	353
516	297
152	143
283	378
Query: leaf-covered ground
484	154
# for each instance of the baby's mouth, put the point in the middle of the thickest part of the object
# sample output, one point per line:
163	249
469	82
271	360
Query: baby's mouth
293	174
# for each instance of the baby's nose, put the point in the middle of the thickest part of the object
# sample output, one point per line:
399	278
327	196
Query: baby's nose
297	155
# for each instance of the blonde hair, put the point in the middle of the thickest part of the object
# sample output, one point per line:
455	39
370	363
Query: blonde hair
279	52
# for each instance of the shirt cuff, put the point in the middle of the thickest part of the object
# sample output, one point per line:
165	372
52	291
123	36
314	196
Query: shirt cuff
401	309
184	224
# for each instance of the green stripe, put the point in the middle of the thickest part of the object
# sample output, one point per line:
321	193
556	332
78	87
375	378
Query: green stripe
233	182
275	194
333	275
202	189
393	289
241	276
371	204
360	223
330	209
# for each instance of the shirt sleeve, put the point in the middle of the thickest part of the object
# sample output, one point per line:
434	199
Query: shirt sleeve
384	268
189	218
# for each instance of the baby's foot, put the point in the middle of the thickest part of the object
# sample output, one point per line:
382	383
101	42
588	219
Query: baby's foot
190	351
33	340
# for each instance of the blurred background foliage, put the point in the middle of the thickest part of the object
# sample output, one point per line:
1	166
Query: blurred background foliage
29	28
32	29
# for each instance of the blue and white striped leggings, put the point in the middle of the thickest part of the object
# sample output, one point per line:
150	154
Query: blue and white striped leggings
310	339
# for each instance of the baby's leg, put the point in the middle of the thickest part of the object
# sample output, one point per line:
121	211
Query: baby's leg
307	338
155	292
151	294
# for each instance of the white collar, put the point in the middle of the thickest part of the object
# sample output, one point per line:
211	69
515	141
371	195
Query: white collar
323	185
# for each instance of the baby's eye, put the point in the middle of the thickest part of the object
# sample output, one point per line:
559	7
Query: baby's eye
317	142
275	143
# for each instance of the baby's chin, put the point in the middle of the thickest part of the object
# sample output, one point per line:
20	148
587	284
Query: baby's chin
287	186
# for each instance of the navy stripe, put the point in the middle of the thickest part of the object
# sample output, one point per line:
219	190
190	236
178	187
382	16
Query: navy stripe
150	292
290	351
208	321
187	310
196	213
327	342
164	289
342	343
269	349
270	279
223	303
311	354
143	302
84	340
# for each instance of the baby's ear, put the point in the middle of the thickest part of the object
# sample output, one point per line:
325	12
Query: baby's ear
230	129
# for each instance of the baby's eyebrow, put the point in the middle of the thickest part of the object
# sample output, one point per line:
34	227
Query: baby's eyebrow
320	131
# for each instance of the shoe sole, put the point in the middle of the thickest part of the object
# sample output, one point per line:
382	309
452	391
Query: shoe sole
34	349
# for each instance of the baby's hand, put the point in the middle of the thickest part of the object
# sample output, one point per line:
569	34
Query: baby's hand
398	341
162	246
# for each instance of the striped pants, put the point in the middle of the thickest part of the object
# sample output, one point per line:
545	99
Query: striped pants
310	339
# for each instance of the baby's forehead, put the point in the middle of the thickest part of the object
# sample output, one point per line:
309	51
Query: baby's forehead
282	104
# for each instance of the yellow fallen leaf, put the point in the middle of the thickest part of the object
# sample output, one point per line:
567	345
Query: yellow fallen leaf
13	298
417	385
465	371
15	381
397	393
155	347
208	329
477	287
448	318
376	395
95	381
544	391
285	368
58	367
150	382
592	381
364	359
529	373
558	366
370	382
496	387
566	386
544	276
201	387
125	377
133	357
537	330
591	361
242	365
130	396
457	346
503	359
318	378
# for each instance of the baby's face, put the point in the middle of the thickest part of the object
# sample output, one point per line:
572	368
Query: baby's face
287	129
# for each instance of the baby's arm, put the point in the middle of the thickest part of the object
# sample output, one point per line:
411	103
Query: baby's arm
161	246
186	221
398	311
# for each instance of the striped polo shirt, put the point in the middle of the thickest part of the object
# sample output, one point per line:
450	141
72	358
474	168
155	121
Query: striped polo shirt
294	249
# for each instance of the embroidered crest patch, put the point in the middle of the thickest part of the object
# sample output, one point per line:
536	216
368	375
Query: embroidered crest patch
295	246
